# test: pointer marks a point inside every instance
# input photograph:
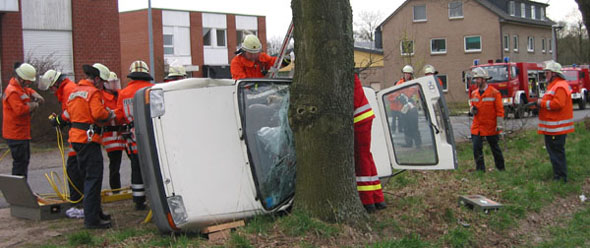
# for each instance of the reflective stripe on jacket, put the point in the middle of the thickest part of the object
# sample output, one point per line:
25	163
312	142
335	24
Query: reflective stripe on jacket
112	140
556	111
84	105
16	116
362	109
489	106
124	109
241	67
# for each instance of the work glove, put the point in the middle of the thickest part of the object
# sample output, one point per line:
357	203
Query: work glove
38	98
57	121
473	110
33	106
499	124
402	99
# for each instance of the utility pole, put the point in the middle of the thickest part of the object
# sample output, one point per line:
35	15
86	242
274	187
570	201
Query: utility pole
151	39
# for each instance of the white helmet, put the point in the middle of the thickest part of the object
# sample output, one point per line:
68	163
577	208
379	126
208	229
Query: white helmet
114	83
176	71
554	67
104	72
429	69
408	69
479	72
48	79
27	72
251	44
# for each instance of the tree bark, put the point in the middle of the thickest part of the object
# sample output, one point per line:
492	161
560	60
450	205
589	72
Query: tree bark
321	111
584	6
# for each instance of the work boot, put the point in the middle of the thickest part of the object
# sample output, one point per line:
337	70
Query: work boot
370	208
104	216
102	224
380	205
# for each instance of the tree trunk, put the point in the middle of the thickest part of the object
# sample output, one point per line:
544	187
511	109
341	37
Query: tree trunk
584	6
321	111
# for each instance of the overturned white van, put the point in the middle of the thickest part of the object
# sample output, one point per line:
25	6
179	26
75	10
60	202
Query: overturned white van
213	151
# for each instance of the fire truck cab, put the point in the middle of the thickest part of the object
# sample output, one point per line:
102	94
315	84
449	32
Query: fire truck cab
217	150
579	80
519	83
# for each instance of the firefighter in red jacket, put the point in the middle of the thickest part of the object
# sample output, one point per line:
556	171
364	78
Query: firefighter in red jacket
488	115
367	181
18	102
140	78
62	87
87	113
250	62
394	105
556	118
112	138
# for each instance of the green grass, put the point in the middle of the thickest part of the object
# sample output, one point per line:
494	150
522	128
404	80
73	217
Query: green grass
575	234
238	241
82	238
411	241
459	237
260	224
300	223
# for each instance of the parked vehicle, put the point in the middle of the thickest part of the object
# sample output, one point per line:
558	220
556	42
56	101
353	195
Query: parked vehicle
579	80
519	83
217	150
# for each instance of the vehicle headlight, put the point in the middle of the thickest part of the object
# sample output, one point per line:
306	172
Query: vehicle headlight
157	108
177	209
507	100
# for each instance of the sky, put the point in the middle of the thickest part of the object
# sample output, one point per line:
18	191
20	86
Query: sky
278	12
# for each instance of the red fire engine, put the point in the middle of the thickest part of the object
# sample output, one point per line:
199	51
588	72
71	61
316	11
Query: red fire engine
519	83
579	80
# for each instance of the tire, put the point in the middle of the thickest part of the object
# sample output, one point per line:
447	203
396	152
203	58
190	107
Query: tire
519	111
582	101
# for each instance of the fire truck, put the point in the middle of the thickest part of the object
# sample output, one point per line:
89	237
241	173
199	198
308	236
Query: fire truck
579	80
518	82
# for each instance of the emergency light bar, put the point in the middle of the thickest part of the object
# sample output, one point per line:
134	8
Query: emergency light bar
476	62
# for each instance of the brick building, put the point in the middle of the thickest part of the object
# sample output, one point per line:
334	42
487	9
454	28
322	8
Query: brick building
451	34
70	32
203	42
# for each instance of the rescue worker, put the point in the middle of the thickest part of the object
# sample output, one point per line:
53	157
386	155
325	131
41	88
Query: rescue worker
250	62
175	73
18	103
488	116
556	118
86	112
367	181
62	87
430	71
404	105
140	78
112	138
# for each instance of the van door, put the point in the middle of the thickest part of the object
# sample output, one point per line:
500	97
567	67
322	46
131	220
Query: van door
426	142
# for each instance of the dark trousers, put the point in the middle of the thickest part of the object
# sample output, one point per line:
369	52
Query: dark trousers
556	148
114	167
21	153
76	178
396	124
411	131
478	153
91	165
137	186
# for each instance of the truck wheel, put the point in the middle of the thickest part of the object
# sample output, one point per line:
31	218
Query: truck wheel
582	102
519	111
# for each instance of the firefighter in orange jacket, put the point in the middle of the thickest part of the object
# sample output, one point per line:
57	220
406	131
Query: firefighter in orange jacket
62	87
250	62
112	138
556	118
430	71
488	116
17	107
394	105
87	113
140	78
367	181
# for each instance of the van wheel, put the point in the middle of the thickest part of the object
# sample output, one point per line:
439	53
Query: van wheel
582	102
519	111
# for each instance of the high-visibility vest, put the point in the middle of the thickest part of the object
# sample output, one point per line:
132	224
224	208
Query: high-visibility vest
489	106
63	92
556	112
362	109
85	105
124	109
241	67
112	140
16	116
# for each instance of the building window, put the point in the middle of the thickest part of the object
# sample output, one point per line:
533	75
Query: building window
542	13
533	14
543	48
531	44
168	44
550	46
506	43
515	42
206	37
220	37
472	44
522	10
511	8
455	9
443	79
240	34
438	46
407	47
420	13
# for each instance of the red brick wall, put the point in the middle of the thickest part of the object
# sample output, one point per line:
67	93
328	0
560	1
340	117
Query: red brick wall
262	31
231	36
158	45
196	30
95	35
11	43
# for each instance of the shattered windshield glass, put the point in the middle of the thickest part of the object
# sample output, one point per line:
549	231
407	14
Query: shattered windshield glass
269	139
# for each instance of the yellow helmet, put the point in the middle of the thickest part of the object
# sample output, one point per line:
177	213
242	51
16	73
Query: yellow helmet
408	69
139	70
176	71
48	79
429	69
251	44
479	72
27	72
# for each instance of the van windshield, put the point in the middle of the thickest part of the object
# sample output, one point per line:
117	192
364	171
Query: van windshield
499	73
269	139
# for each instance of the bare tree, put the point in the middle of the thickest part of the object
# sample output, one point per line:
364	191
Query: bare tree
321	111
584	6
365	24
